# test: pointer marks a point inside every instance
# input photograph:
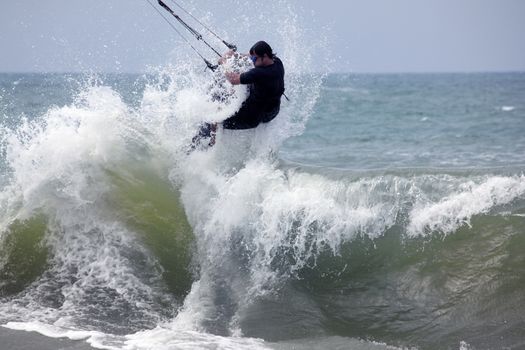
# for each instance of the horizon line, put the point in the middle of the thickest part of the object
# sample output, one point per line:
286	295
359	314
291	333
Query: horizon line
318	72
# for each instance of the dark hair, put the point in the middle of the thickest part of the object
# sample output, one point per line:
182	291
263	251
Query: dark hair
261	48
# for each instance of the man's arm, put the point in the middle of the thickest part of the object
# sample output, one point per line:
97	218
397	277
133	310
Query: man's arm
226	56
233	78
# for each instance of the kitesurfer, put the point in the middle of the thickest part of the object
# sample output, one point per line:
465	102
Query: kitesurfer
266	82
266	86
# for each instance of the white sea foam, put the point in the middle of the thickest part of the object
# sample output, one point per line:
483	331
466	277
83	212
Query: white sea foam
166	339
449	213
463	345
159	338
508	108
40	153
54	331
58	168
272	214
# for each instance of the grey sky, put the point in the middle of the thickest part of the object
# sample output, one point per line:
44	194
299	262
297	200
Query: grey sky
362	36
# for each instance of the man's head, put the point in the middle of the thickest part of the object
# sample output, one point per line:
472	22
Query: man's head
262	54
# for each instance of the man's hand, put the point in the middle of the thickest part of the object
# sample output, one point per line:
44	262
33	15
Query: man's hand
226	56
233	78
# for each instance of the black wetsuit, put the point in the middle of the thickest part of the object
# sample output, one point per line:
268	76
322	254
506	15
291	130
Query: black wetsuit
264	102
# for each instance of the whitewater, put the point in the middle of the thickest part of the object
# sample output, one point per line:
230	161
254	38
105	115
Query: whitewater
375	212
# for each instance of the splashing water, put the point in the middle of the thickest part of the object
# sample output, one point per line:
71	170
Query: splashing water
94	185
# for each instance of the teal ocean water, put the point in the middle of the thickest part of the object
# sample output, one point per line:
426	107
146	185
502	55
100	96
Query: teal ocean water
376	212
415	121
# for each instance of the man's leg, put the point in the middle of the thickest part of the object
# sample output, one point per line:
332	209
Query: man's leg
246	118
206	131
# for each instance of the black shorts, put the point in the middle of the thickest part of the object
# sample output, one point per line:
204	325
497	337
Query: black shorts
249	116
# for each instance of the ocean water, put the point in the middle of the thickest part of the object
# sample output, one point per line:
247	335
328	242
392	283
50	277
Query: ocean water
376	212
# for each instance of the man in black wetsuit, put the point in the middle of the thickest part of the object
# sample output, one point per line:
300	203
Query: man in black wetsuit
266	82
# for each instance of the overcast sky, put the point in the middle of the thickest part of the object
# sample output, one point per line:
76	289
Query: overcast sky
357	35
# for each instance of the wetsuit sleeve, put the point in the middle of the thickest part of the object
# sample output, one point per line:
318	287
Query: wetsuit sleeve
250	76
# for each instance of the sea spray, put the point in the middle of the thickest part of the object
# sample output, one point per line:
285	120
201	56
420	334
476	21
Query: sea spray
59	169
452	212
